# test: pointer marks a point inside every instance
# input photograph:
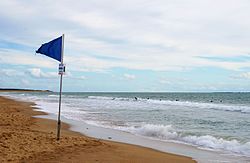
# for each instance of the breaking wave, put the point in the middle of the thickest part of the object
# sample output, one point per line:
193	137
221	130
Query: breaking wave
203	105
166	132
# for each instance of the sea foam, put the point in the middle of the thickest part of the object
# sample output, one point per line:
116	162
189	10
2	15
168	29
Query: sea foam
167	133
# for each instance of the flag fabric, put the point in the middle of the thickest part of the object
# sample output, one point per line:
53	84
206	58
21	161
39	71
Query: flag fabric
52	49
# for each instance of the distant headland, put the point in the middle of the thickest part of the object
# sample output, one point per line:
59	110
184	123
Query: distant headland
21	90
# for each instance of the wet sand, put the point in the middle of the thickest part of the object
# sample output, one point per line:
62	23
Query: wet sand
24	138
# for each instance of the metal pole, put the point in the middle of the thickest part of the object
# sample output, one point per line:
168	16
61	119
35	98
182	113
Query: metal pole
60	97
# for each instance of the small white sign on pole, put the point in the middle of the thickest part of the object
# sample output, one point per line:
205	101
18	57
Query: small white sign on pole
61	69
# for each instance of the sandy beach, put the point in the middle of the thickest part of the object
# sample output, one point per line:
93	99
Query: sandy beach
27	139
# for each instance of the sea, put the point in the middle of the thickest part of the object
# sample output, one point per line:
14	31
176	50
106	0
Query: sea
209	121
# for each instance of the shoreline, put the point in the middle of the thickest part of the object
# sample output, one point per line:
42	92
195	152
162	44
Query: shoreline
181	149
25	138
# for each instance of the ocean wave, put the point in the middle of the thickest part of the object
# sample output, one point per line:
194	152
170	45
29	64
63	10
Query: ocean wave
211	142
225	107
166	132
203	105
156	131
53	95
100	97
110	98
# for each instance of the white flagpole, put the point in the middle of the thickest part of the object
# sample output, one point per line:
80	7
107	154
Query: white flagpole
60	97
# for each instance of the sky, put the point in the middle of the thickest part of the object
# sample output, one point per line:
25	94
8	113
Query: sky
131	46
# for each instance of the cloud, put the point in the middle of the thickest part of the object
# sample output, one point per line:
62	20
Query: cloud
32	72
174	80
129	76
83	77
164	81
17	57
244	75
10	73
25	82
133	36
69	75
161	35
38	73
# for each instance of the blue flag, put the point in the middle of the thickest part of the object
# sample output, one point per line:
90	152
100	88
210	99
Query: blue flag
52	49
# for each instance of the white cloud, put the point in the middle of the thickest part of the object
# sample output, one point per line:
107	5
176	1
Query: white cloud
83	77
157	35
38	73
164	81
174	81
33	72
10	73
25	82
244	75
129	76
15	57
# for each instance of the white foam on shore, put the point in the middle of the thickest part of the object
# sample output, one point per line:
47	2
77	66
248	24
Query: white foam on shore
207	141
167	133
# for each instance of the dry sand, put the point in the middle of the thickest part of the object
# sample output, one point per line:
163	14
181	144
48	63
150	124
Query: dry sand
27	139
